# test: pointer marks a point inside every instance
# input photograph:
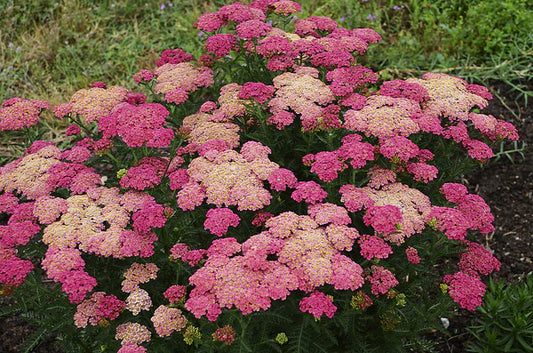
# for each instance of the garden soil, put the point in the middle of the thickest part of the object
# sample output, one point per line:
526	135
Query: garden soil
506	186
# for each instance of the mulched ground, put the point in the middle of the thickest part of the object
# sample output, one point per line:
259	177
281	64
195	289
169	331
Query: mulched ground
506	187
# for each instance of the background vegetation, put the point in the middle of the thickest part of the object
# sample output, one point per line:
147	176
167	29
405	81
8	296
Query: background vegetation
51	48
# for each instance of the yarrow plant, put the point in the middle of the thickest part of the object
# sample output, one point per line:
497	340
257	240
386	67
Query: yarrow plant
272	193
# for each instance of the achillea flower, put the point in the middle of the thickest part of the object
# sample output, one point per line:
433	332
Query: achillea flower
238	12
143	75
76	284
138	300
384	116
380	177
132	333
344	80
260	92
77	154
209	22
17	113
48	209
286	7
141	177
173	56
477	213
383	218
224	334
403	89
174	293
138	125
95	103
414	206
324	213
450	221
184	76
178	179
478	150
302	93
341	237
412	255
318	304
281	179
96	309
252	29
168	320
374	247
448	96
398	147
308	191
13	270
457	132
381	280
190	196
136	274
327	165
131	348
454	192
204	132
347	274
229	179
74	176
29	174
218	220
466	289
355	151
59	262
478	258
260	218
281	119
422	172
221	44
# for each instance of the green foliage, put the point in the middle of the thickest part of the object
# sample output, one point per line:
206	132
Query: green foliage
505	321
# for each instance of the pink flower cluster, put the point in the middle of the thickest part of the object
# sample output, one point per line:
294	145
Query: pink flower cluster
305	255
17	113
138	125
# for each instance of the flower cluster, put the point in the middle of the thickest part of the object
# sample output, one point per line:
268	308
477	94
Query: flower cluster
303	181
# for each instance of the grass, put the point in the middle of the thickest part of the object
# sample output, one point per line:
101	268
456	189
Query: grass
50	49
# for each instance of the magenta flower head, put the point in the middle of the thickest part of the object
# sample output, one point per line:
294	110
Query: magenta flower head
17	113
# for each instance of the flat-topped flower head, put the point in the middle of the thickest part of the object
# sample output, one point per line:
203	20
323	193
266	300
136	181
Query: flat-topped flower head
29	175
95	103
374	247
303	94
403	89
414	206
132	333
97	309
168	320
173	56
138	300
17	113
183	77
384	116
381	280
137	274
466	289
448	96
318	304
478	258
230	179
218	220
138	125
